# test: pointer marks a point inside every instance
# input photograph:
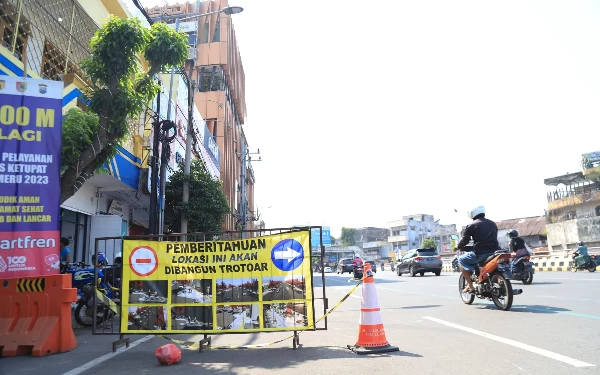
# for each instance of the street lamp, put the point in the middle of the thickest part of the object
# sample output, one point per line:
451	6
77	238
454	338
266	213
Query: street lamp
191	90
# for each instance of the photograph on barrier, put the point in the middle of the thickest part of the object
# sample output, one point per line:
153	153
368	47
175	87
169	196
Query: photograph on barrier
148	291
276	288
218	285
191	291
147	318
285	315
238	317
191	318
237	290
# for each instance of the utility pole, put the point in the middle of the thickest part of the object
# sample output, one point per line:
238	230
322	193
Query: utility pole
164	160
154	166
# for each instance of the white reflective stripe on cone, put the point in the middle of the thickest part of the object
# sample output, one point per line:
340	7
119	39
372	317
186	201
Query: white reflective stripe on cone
370	318
369	297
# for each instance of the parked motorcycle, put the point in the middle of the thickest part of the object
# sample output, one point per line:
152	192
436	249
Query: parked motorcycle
491	280
358	272
83	278
587	263
522	269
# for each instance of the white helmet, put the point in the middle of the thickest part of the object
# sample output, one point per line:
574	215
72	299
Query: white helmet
476	211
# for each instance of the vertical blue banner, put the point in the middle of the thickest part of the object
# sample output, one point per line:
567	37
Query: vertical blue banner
30	147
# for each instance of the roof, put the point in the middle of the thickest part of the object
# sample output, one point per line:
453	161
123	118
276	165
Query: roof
527	226
567	179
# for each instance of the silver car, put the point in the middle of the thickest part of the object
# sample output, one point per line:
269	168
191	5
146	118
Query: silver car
420	261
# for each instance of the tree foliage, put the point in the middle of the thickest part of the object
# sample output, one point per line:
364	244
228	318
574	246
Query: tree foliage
347	236
120	89
429	243
207	205
78	129
332	240
453	245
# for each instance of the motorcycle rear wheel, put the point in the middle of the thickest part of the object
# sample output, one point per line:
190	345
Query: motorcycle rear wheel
529	279
467	298
592	268
83	315
503	299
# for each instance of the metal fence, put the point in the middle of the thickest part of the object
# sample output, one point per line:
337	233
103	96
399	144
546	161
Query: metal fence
107	319
51	37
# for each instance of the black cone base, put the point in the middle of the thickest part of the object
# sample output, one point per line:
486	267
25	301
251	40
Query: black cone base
373	350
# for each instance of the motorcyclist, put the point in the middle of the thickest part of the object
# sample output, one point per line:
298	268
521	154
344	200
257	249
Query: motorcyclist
582	249
516	244
484	233
357	262
382	266
580	255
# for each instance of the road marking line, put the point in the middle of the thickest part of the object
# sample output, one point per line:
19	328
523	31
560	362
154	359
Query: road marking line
546	353
106	357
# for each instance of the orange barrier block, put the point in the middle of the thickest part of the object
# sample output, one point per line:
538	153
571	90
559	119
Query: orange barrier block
35	315
371	334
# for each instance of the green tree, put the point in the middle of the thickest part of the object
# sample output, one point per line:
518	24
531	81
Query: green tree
453	245
119	91
429	243
347	236
332	240
207	205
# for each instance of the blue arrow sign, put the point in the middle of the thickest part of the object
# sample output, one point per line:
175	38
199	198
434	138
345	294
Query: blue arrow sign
287	255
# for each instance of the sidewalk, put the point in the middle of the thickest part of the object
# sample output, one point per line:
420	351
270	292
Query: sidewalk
89	347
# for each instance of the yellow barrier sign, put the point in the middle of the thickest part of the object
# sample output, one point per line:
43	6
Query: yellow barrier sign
256	284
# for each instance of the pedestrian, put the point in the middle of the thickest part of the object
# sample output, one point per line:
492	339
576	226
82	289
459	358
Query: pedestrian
65	253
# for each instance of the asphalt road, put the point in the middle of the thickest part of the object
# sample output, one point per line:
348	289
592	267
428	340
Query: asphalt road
553	328
236	294
284	291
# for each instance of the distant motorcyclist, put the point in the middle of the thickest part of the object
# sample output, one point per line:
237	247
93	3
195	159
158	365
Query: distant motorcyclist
582	249
516	244
484	233
382	266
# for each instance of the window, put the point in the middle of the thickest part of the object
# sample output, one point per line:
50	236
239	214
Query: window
73	225
7	31
217	35
54	63
205	32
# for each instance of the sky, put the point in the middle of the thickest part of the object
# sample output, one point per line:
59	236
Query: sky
365	112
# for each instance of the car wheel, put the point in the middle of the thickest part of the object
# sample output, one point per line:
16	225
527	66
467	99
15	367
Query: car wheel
412	271
422	273
437	273
398	272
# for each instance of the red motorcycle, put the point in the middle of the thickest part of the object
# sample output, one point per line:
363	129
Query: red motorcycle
491	280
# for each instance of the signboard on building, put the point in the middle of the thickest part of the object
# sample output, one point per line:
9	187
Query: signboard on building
30	145
186	27
211	145
116	208
258	284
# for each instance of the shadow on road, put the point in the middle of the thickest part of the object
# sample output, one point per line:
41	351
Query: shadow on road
543	283
234	361
420	307
535	309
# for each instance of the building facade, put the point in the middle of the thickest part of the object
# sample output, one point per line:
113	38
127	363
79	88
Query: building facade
220	99
573	213
531	229
49	40
409	232
370	234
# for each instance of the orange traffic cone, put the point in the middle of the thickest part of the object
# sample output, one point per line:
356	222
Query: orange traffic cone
371	335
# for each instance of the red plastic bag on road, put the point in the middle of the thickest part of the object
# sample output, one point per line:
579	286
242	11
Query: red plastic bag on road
168	354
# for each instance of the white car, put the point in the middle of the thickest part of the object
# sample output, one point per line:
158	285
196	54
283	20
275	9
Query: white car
328	270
